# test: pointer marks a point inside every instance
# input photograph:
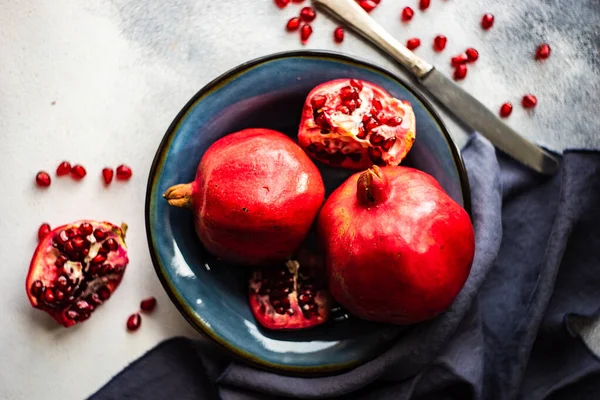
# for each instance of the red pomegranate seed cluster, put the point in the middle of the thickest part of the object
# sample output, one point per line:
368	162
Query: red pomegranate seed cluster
134	321
78	172
459	62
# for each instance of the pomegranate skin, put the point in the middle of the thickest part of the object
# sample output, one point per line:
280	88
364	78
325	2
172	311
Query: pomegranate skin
255	196
398	248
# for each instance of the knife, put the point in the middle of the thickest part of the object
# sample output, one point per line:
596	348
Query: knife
464	106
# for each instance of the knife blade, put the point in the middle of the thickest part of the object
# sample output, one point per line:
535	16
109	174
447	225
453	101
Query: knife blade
463	105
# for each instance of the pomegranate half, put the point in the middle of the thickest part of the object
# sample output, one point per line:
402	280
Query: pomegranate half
356	124
398	248
254	198
75	268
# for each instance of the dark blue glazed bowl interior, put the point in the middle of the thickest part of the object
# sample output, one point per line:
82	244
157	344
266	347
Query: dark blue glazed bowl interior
269	93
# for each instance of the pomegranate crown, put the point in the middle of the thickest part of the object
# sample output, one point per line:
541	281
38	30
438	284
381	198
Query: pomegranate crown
372	187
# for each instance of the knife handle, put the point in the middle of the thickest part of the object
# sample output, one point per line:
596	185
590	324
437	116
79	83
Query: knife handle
354	16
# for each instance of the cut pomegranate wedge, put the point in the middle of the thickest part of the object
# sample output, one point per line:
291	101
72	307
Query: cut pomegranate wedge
356	124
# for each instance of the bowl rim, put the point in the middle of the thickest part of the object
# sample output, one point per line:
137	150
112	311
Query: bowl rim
175	297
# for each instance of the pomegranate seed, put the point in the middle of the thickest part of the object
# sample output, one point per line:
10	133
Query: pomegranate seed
459	60
123	172
367	5
134	321
439	42
487	21
293	24
99	235
282	3
318	101
43	179
542	52
148	304
460	72
107	174
36	288
407	14
78	172
529	101
43	230
356	84
424	4
305	33
99	259
338	34
506	110
308	14
64	168
48	295
472	54
413	43
86	229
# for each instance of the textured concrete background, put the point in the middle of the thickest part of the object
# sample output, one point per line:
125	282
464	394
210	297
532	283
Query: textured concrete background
120	70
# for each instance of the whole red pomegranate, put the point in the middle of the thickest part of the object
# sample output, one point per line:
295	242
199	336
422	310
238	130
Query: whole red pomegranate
356	124
255	196
75	268
398	248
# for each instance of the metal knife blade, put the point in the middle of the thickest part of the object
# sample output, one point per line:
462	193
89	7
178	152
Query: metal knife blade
463	105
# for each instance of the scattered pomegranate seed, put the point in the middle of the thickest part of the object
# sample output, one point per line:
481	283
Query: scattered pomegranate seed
78	172
506	109
134	321
64	168
424	4
407	14
368	5
148	304
413	43
305	33
123	172
529	101
308	14
282	3
43	230
293	24
542	52
338	34
459	60
439	42
487	21
460	72
472	54
107	174
43	179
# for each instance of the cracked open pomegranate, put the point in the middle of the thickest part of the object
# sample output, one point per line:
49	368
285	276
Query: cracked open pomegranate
398	248
75	268
290	297
356	124
254	198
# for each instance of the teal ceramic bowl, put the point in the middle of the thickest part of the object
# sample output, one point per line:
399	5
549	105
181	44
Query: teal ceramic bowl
269	92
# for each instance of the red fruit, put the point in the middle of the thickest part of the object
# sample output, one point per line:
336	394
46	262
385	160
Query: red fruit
64	280
308	14
472	54
398	248
42	179
148	304
407	14
338	34
290	297
107	174
43	230
305	33
282	3
293	24
459	60
78	172
64	168
134	322
460	72
439	42
356	127
255	196
487	21
424	4
123	172
529	101
506	110
413	43
542	52
368	5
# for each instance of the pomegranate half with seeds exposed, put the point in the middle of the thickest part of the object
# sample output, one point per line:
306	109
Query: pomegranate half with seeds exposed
75	268
355	124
